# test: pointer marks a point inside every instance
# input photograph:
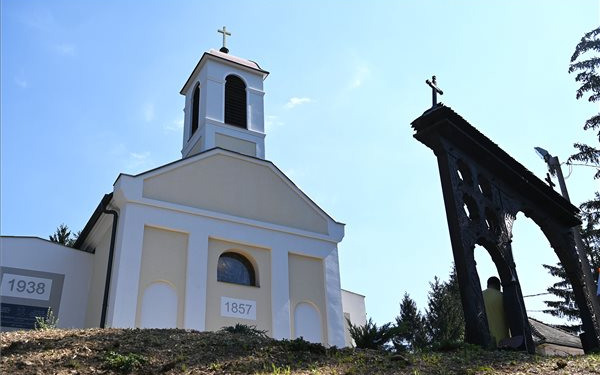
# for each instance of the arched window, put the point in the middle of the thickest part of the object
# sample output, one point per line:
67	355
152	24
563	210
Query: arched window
235	268
195	110
235	101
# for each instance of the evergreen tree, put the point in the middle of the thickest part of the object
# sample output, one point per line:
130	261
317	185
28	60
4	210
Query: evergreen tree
589	79
444	318
565	306
64	236
410	326
456	303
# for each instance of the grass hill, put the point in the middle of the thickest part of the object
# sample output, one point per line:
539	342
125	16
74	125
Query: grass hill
174	351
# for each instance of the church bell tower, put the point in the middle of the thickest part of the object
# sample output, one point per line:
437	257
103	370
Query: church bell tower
224	105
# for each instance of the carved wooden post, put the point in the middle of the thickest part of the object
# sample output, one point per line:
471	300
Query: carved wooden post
484	188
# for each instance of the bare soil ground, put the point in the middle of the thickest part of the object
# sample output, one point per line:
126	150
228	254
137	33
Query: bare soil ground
173	351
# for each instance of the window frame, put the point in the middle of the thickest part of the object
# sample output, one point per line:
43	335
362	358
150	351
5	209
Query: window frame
244	261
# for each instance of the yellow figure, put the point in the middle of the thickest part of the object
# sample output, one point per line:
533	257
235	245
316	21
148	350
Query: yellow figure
494	308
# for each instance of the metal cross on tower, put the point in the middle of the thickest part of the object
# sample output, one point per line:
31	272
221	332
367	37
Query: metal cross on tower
434	90
225	35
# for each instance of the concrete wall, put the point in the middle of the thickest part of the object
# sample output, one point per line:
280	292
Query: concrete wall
35	260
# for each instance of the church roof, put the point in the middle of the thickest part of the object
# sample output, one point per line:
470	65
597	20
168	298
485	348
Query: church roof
215	54
92	221
235	59
546	334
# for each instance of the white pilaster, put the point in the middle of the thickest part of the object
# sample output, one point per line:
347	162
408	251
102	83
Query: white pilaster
126	269
333	300
280	293
195	290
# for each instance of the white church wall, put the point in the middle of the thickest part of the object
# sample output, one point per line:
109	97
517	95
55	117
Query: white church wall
164	260
37	274
200	224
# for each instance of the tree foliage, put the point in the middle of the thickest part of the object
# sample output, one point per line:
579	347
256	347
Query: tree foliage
565	306
64	236
410	326
442	325
588	77
445	321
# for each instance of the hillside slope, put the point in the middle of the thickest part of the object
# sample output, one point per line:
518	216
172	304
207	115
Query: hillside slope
172	351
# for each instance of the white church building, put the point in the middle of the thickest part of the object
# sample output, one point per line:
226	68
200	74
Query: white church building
216	238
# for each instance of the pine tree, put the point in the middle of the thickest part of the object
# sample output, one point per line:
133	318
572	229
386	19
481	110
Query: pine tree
590	85
445	320
64	236
456	303
589	155
410	325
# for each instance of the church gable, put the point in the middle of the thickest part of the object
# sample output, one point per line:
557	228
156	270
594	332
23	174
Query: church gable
237	186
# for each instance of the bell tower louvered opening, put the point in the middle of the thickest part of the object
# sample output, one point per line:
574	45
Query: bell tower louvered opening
195	110
235	102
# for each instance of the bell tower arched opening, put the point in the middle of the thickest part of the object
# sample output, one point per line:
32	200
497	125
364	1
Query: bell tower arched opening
235	102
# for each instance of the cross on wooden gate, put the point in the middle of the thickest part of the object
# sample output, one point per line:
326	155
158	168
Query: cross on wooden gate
225	35
549	180
434	90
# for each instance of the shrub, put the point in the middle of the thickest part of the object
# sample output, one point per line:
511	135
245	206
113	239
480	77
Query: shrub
370	336
244	329
301	345
47	322
124	363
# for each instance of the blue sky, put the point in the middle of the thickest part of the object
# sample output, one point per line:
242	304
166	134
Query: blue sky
90	89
